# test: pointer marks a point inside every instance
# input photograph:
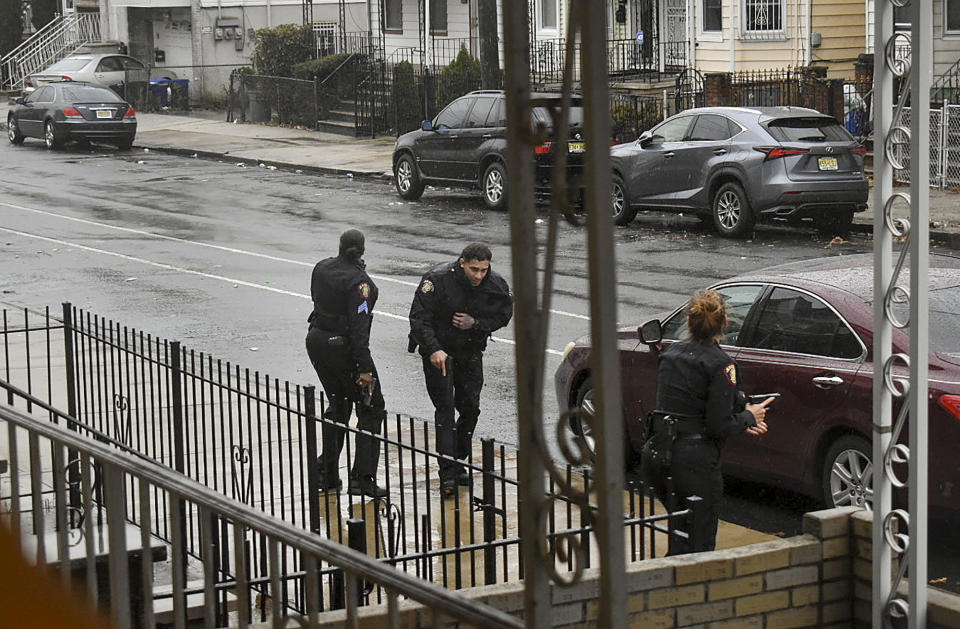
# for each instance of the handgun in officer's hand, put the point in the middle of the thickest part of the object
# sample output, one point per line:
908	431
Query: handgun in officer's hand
368	392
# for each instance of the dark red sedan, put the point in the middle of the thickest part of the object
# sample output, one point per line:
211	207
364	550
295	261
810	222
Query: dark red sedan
805	330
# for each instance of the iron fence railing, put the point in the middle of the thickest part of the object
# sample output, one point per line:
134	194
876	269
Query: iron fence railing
253	439
55	40
626	60
284	100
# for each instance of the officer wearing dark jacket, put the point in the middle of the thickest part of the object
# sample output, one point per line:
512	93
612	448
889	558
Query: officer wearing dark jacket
699	407
457	306
338	343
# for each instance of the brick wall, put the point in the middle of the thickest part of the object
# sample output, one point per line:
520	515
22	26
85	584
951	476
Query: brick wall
819	579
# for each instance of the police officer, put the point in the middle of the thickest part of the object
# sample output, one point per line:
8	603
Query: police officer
699	407
338	344
457	306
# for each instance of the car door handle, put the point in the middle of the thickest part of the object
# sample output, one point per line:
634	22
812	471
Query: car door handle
827	381
668	155
719	151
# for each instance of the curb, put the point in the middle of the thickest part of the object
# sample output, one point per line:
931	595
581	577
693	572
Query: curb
286	166
947	238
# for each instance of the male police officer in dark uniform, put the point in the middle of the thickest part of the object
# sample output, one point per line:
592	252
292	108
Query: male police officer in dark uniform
338	343
457	306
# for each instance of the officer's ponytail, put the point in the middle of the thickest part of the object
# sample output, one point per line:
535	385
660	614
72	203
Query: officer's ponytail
707	315
352	244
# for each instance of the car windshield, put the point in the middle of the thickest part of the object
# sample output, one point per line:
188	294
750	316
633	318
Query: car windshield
809	129
70	64
88	94
944	319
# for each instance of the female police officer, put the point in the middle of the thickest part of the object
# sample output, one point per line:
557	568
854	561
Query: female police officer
699	407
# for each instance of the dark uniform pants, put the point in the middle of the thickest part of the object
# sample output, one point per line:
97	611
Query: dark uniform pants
695	471
459	391
331	359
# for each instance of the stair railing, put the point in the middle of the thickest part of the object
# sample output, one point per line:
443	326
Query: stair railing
54	41
947	85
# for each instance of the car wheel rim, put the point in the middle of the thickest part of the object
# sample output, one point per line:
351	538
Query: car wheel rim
494	187
12	130
48	134
728	209
616	200
404	175
851	480
587	413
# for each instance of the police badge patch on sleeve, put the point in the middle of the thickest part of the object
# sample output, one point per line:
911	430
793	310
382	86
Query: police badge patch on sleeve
730	371
426	286
364	289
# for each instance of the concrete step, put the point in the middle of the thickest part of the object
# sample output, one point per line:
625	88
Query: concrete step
338	126
163	607
341	114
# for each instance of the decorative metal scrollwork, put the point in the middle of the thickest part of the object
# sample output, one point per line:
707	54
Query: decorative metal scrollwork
122	422
241	472
77	509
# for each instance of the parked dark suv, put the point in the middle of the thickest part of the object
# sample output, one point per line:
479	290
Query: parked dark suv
466	145
737	165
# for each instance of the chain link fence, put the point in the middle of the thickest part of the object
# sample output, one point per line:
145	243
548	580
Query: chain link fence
943	143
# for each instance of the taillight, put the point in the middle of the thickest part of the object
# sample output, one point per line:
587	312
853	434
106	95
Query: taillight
543	149
71	112
773	152
860	150
65	78
952	404
28	83
131	113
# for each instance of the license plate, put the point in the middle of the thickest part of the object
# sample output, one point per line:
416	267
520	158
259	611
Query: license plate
577	147
828	163
105	113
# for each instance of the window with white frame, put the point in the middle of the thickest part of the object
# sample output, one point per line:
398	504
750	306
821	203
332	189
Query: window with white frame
763	17
951	16
438	17
548	14
712	16
325	33
393	16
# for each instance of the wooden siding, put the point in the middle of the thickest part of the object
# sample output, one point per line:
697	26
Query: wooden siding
842	26
751	54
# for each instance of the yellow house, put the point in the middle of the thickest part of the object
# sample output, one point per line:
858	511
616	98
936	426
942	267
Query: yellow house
773	34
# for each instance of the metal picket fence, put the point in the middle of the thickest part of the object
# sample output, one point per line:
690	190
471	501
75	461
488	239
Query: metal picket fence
253	439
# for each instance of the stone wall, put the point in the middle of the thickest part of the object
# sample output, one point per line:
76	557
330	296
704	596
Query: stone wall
819	579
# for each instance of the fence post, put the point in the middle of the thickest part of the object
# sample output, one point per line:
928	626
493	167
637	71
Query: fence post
694	504
316	107
176	393
313	497
489	521
357	539
944	133
70	366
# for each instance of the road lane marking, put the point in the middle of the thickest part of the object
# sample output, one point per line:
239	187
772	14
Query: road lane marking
222	278
255	254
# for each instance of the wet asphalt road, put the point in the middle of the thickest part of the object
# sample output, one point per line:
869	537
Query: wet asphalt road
219	257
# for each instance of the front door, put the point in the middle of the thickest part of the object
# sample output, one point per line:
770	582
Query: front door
674	38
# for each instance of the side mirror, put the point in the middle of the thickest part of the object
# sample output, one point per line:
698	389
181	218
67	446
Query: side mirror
650	332
19	100
426	125
645	138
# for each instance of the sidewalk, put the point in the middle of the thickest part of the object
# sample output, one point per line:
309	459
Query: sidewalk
205	134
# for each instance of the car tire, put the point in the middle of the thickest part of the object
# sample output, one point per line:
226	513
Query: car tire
50	137
620	206
731	211
847	473
585	405
493	186
406	178
13	131
837	223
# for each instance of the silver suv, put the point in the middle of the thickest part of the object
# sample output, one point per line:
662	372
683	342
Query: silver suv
736	165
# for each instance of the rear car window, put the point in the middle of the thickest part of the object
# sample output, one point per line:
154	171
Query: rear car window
808	129
70	64
89	94
792	321
542	115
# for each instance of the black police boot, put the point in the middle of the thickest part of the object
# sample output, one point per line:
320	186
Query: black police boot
448	487
463	478
367	486
329	483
